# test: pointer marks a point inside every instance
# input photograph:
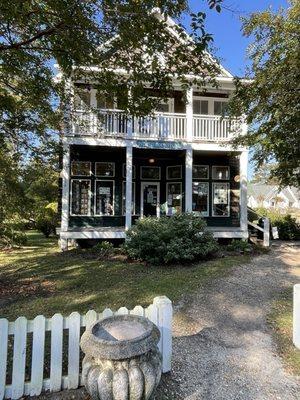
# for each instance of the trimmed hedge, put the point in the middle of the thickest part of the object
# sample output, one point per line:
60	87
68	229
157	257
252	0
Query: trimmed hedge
177	239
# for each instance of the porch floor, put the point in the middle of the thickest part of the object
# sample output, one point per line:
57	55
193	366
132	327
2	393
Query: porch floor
118	232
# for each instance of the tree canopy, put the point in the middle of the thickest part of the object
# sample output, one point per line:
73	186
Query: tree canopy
90	33
271	99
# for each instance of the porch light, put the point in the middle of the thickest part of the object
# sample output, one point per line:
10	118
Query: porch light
151	160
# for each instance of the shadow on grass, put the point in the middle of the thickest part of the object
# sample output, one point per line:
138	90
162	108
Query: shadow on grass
67	282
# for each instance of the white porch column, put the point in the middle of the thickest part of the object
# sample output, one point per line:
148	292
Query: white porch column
128	192
189	115
188	179
65	200
243	190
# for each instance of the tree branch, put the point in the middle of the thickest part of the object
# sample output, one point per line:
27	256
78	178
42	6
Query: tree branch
40	34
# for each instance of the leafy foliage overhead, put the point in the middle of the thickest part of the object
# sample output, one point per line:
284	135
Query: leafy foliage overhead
271	99
94	33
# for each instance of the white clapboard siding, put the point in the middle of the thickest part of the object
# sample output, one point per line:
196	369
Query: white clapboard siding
160	313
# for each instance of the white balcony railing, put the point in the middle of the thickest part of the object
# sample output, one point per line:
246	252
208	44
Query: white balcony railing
212	128
160	126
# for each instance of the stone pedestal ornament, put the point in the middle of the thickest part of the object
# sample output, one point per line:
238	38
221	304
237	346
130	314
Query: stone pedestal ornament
122	361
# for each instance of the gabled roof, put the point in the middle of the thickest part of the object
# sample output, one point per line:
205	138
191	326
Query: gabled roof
267	192
189	41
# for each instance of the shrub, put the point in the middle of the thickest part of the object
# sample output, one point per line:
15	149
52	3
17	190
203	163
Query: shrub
47	220
239	246
11	234
180	238
102	250
288	228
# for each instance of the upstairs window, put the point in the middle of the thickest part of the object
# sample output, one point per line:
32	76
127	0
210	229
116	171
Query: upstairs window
82	99
105	102
200	107
220	107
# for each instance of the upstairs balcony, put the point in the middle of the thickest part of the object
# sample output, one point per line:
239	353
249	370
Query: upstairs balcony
163	126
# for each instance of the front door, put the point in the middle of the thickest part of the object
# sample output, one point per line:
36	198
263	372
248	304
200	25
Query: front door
150	199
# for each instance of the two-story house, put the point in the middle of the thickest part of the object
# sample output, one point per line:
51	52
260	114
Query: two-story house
118	168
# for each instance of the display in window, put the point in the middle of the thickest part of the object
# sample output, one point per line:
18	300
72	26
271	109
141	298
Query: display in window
200	172
174	172
105	169
201	198
174	198
104	198
221	199
80	197
220	173
150	173
124	198
124	171
81	168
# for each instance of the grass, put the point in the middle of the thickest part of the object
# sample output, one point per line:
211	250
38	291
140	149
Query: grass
281	322
39	279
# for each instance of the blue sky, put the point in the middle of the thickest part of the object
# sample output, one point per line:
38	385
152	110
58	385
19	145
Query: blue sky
226	29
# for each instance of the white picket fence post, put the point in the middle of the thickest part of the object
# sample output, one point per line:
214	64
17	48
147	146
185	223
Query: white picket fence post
296	316
159	312
266	233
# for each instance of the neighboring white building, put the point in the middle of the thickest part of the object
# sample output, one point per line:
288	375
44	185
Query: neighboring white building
271	196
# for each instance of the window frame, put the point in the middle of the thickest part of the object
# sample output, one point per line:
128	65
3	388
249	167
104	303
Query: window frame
181	194
80	161
167	172
85	90
220	166
208	199
147	178
169	101
89	194
221	100
200	165
200	98
228	199
105	162
95	197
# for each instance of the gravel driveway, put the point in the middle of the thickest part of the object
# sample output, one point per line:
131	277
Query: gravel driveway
222	345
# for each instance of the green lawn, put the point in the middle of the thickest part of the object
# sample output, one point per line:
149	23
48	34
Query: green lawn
281	321
39	279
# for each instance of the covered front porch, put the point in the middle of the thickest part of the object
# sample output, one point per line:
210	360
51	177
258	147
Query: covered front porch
111	187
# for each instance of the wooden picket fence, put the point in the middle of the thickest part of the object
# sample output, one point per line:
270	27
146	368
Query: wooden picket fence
20	333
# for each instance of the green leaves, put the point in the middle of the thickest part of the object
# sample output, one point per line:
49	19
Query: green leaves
271	100
215	4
